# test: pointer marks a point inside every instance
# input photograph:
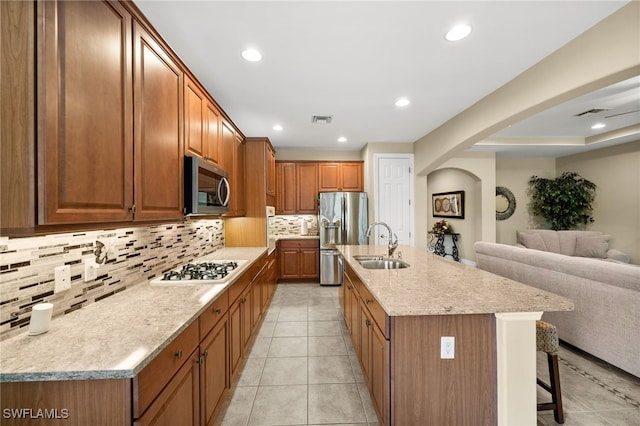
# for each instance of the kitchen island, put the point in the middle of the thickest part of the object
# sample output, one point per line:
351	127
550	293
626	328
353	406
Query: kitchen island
139	355
397	318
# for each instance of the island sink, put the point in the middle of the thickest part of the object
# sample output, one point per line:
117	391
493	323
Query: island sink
383	263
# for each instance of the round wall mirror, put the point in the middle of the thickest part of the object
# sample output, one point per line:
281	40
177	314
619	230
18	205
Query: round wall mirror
505	203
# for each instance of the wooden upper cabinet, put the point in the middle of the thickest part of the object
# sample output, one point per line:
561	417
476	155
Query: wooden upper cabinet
158	130
85	150
340	176
227	143
212	133
286	184
202	123
238	184
307	187
271	170
194	121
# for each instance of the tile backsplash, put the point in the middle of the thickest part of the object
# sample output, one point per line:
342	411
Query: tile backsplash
290	224
133	256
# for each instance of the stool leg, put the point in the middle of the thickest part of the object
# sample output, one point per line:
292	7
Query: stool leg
554	383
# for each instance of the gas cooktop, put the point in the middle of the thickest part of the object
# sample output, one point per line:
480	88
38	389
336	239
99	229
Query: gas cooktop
201	272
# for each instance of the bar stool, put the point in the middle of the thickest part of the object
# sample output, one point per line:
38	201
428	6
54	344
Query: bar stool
547	341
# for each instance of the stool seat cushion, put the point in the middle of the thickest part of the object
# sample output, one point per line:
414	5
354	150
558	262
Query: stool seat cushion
546	337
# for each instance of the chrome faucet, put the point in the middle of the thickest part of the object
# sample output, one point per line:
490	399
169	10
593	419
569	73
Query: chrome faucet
393	238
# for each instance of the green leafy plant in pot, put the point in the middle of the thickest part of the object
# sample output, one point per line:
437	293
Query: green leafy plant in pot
564	202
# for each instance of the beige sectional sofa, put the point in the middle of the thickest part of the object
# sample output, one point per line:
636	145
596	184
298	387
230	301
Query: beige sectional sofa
579	266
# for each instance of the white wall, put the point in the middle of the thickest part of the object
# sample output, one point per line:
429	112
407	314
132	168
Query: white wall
616	172
475	174
514	174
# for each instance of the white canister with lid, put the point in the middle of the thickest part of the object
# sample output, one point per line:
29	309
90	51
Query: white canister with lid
304	227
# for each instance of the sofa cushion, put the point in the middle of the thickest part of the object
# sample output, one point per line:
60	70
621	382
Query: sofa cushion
531	240
568	240
592	246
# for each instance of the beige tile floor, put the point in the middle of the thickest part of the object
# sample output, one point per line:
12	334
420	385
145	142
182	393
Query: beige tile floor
302	370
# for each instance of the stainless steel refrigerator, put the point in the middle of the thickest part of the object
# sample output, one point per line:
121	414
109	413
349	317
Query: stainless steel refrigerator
342	220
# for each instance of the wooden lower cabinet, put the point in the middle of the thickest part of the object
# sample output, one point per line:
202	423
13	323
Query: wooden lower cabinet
214	371
178	402
299	259
425	390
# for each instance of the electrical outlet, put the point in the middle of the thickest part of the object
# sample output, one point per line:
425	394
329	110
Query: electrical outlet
62	276
447	347
90	270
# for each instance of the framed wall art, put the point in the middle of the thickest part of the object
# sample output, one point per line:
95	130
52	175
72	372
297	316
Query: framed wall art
448	204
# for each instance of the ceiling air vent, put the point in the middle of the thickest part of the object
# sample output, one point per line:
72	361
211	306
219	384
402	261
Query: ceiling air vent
591	111
321	119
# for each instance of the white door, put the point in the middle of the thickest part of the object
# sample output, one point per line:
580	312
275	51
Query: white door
394	196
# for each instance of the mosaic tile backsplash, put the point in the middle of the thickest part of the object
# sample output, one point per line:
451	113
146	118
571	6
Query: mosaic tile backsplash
290	224
134	255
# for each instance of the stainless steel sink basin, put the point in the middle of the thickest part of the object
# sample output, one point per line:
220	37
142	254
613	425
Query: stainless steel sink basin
361	257
385	263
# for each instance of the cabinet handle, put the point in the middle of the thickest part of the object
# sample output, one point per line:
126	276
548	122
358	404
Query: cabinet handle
200	360
367	322
244	300
367	301
179	354
218	311
205	354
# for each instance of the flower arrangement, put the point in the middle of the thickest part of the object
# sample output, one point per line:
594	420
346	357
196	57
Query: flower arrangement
442	227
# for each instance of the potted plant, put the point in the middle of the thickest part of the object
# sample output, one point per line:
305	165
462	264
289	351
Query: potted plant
442	227
564	202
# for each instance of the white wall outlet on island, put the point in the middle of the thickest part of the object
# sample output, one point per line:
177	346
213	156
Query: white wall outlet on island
62	276
447	347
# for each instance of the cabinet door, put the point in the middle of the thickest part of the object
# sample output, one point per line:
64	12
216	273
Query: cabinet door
366	325
309	262
306	187
238	183
235	337
271	171
178	403
85	158
227	145
214	378
380	373
158	130
329	177
286	188
351	177
256	301
246	313
289	264
194	103
212	133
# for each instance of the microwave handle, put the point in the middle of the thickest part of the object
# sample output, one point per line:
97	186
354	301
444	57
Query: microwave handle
224	181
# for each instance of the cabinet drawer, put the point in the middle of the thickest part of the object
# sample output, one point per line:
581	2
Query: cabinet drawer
148	384
214	313
243	281
378	314
288	244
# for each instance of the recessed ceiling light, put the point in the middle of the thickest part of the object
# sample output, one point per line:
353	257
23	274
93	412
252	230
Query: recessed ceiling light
458	32
252	55
402	102
277	128
598	126
342	139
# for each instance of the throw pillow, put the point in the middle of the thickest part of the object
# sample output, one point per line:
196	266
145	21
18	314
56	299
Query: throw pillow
532	241
592	246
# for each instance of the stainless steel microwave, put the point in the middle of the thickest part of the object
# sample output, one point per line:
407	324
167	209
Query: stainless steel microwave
206	187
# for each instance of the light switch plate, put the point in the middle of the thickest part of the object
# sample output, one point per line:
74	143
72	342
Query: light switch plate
447	347
62	275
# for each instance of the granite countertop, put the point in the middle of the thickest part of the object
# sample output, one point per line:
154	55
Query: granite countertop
433	285
117	337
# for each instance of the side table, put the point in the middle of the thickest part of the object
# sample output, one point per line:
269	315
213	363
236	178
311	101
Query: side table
435	244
